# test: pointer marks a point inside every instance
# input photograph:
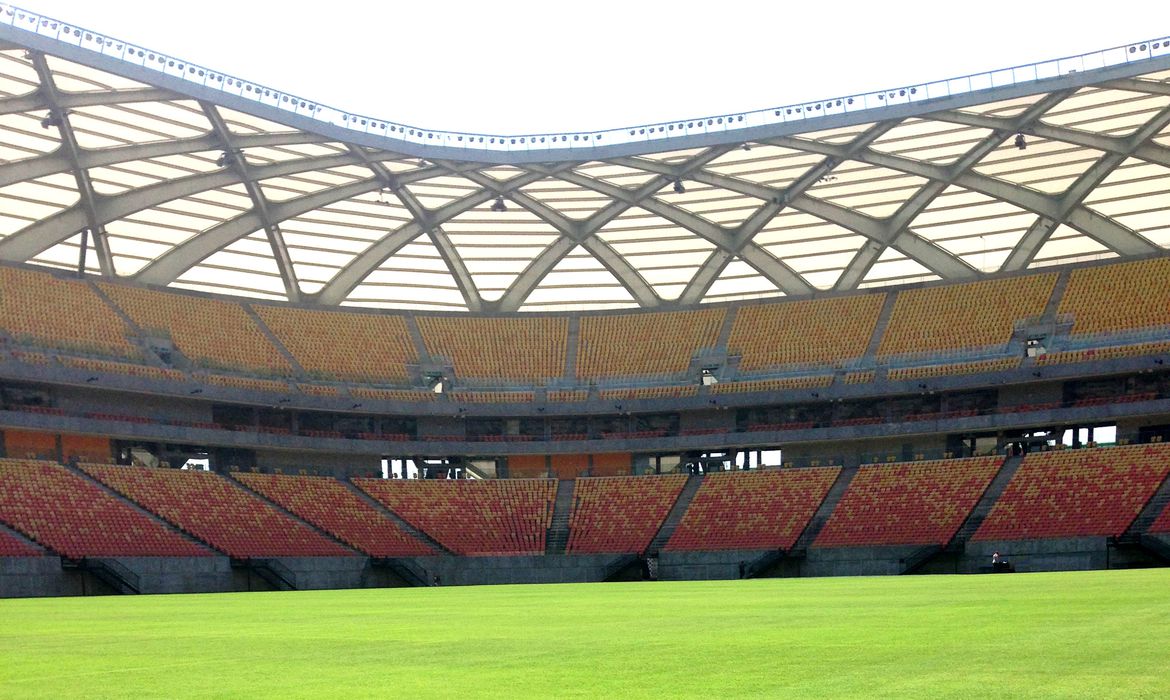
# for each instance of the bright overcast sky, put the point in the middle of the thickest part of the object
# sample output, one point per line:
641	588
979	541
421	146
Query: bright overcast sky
513	67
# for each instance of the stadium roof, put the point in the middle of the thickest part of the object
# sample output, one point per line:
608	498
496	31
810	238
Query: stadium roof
168	173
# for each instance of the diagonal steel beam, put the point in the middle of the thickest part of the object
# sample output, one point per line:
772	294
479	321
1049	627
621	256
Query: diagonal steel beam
71	150
717	262
360	267
585	232
898	224
1071	210
36	237
36	100
235	160
1103	229
447	251
58	162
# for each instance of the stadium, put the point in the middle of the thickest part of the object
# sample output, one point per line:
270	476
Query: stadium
254	343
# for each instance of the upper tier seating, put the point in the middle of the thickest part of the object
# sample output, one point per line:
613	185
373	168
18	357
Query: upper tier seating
60	313
961	316
620	514
765	509
331	506
1118	297
644	344
343	345
209	332
908	502
822	331
213	509
509	349
76	518
12	547
472	517
1077	493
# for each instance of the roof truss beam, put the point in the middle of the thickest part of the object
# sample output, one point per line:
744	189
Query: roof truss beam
59	116
235	160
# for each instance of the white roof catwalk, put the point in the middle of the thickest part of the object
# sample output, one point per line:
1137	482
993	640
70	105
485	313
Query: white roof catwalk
167	173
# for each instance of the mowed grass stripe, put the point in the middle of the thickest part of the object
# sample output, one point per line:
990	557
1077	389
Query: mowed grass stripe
1083	634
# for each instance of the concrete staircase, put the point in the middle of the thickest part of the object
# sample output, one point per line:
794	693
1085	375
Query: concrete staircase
674	517
157	518
879	328
412	530
971	525
824	511
558	532
1150	511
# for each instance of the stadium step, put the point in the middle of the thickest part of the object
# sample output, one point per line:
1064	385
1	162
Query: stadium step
558	532
971	525
879	328
1057	294
1158	544
267	332
677	511
571	348
275	574
288	513
111	572
118	495
825	510
406	527
1150	511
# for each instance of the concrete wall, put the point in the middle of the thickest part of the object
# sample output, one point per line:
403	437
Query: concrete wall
561	568
703	566
1065	554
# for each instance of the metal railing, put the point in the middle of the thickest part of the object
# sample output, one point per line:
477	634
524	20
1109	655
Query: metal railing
196	74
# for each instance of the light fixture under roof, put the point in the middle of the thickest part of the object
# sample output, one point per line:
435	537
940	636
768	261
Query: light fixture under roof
498	205
678	186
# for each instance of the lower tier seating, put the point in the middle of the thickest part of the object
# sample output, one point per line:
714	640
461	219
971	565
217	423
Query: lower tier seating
331	506
620	514
12	547
1161	524
752	510
214	510
908	502
76	518
1077	493
472	517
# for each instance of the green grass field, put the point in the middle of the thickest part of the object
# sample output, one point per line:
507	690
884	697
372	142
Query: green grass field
1091	635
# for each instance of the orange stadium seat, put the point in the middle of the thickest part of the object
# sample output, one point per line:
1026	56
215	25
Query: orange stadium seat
343	345
1118	297
76	518
1077	493
60	313
795	332
620	514
213	509
752	510
963	316
908	502
506	349
331	506
471	517
214	333
12	547
644	344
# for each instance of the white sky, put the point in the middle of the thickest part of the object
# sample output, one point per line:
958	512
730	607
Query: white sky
523	67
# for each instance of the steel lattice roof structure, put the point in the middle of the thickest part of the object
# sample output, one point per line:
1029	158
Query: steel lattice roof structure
137	165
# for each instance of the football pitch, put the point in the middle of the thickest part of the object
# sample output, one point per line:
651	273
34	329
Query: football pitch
1091	634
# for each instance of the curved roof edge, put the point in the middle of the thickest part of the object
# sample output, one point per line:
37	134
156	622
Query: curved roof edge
26	29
